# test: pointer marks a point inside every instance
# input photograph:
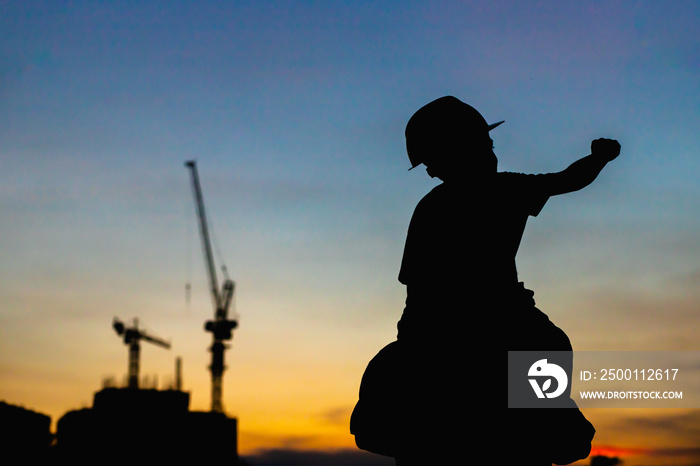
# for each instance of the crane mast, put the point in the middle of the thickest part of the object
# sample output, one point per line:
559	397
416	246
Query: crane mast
221	326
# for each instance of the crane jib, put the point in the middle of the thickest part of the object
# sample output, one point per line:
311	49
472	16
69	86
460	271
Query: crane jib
204	232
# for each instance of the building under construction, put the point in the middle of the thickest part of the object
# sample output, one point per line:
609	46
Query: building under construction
145	425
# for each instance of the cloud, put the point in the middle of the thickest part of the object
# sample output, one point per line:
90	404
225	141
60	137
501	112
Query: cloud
337	416
681	430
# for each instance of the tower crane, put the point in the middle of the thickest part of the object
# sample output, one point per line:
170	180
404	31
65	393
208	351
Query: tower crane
132	337
221	327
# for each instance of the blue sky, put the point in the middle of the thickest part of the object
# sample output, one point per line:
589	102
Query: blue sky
295	112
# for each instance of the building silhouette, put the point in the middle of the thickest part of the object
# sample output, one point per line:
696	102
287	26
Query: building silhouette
142	426
24	434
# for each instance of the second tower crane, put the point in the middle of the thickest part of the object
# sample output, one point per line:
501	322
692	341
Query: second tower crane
221	327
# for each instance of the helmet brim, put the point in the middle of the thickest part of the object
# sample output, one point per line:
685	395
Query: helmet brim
490	127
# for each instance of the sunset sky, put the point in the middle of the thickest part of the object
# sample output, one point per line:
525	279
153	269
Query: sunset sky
295	112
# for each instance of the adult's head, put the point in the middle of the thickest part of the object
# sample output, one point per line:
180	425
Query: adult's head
447	134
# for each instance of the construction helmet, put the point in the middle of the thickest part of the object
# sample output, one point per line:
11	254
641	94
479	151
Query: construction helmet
441	124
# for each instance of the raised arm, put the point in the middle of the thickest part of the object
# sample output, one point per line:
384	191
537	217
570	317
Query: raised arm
582	172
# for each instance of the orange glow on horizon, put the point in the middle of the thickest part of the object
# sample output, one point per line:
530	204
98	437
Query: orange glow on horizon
621	452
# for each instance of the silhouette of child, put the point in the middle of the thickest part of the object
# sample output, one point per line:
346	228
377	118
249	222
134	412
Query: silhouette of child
465	303
464	235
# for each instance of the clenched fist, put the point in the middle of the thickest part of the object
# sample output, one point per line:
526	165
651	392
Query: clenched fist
608	149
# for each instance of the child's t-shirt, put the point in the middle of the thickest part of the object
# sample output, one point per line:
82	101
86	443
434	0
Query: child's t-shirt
462	241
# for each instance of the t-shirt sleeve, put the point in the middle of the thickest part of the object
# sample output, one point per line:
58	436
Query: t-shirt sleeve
530	191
